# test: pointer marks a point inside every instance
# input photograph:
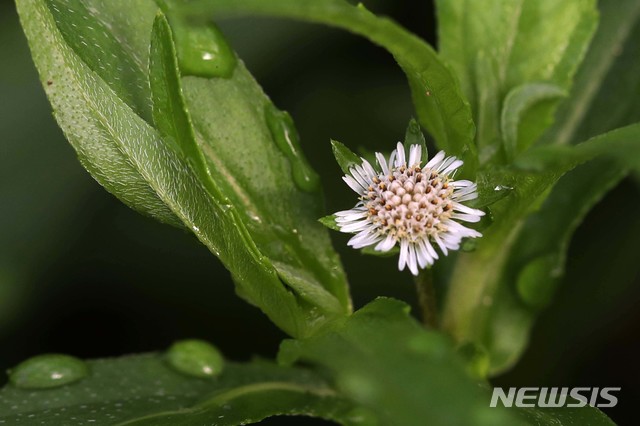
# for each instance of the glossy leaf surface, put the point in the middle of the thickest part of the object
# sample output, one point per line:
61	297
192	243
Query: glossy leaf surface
149	168
146	390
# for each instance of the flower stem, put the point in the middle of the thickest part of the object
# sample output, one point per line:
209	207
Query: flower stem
427	298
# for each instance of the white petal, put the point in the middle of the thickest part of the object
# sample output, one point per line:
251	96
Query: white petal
463	192
351	214
363	239
461	230
411	260
400	160
355	226
435	161
404	253
369	169
392	160
386	244
472	218
465	197
441	244
452	166
462	183
422	255
453	246
358	177
464	209
415	155
383	163
432	252
444	164
353	184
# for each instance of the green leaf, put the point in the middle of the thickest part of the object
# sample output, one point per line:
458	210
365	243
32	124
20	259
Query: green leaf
496	292
535	265
345	158
529	41
414	136
259	179
146	390
127	156
440	105
621	144
385	361
463	38
516	104
536	262
115	62
170	115
490	190
600	100
123	179
329	222
567	416
488	112
168	174
251	155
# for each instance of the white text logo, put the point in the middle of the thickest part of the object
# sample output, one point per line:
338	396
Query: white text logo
555	397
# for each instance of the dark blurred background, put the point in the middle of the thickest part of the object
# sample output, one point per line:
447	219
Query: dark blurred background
82	274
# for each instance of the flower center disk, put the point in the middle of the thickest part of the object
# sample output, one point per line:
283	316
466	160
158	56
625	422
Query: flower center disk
409	202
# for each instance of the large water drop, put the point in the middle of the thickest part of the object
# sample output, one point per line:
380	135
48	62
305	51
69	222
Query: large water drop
195	358
48	371
202	49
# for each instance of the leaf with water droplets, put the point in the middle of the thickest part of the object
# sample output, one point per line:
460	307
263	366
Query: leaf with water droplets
197	152
147	390
247	154
202	49
440	105
286	138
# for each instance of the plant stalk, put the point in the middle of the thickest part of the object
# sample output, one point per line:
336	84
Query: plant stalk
427	298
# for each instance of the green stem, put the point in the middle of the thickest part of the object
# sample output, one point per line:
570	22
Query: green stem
427	298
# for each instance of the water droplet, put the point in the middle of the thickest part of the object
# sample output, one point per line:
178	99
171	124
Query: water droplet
195	358
502	188
286	138
202	49
538	280
48	371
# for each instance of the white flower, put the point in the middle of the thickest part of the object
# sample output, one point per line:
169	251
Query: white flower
413	206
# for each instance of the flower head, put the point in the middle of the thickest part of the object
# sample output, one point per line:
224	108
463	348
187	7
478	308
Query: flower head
418	207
